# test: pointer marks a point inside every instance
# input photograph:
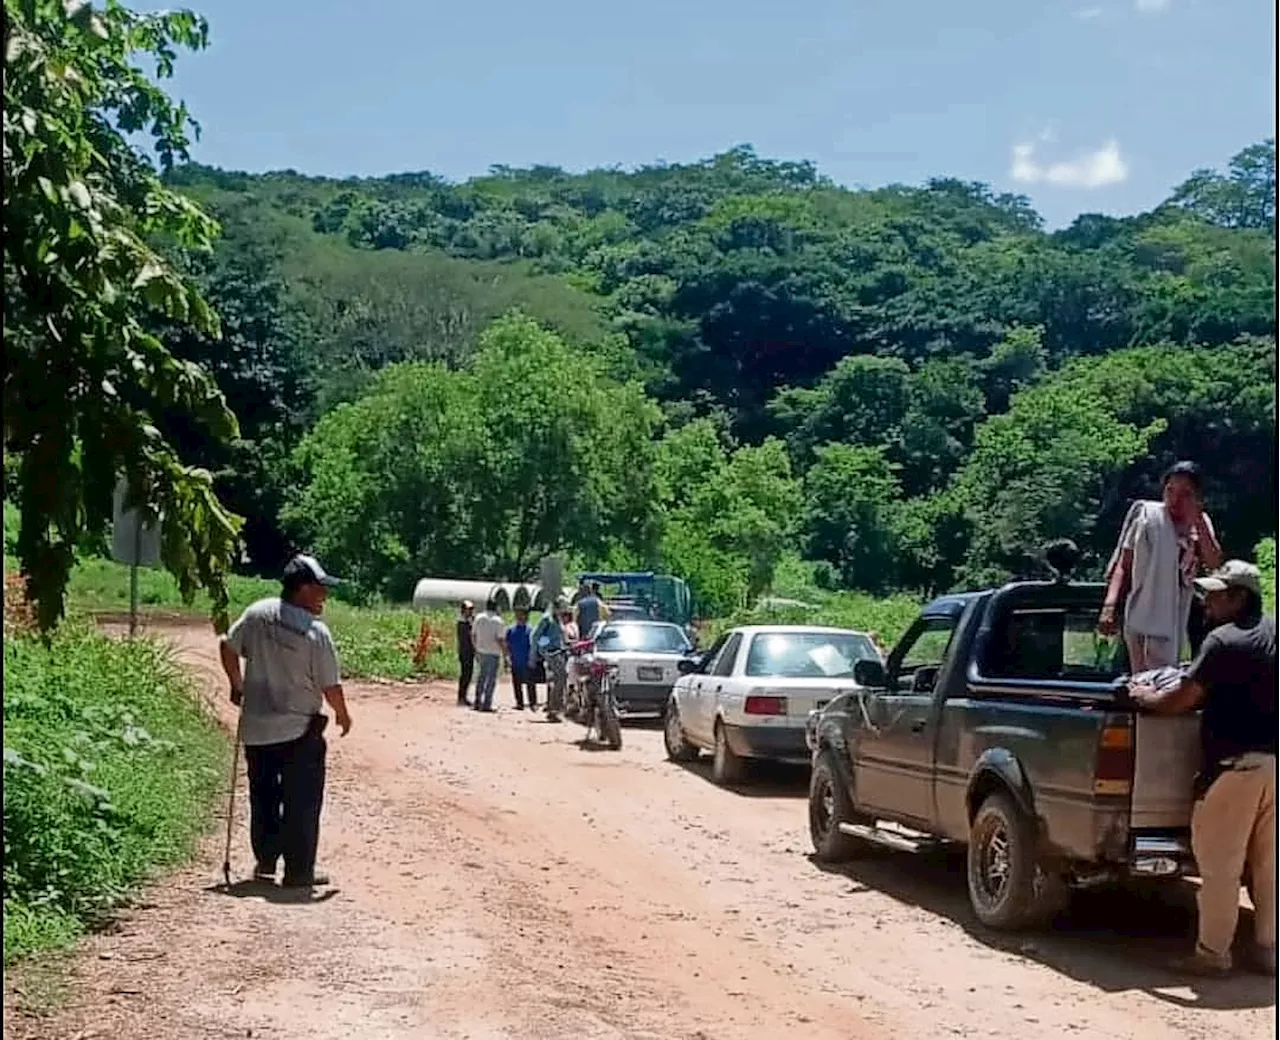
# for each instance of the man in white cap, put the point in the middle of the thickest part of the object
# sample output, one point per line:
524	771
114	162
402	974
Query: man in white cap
291	669
1233	824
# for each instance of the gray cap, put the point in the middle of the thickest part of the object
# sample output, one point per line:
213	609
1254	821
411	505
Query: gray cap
1234	574
306	570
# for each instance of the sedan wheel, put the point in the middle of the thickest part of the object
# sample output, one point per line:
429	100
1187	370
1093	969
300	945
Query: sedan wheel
727	767
679	749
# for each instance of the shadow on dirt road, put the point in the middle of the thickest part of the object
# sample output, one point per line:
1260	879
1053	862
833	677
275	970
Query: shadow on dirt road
1115	939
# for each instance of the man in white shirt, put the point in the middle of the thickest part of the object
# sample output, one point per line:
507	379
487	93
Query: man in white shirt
486	634
290	671
1163	547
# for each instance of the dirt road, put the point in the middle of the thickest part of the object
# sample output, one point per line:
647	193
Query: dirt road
495	880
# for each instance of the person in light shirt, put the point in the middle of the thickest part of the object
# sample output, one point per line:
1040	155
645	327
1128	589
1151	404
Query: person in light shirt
487	631
1163	546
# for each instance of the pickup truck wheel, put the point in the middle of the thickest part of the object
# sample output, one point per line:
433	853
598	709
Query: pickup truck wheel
726	766
1008	887
830	806
679	749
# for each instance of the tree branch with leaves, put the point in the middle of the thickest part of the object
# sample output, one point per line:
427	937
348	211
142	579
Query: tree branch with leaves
85	381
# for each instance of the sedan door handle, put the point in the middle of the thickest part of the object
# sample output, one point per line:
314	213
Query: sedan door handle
719	688
919	725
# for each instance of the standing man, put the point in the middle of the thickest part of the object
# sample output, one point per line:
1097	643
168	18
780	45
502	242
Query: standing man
549	646
588	608
1162	547
466	650
291	669
486	635
516	644
1233	824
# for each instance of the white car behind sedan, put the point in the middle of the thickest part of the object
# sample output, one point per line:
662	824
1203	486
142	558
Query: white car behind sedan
750	695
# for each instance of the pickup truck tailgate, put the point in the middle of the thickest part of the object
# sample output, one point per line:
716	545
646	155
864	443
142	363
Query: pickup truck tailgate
1166	760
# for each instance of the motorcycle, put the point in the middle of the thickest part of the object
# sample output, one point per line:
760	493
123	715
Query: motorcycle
598	706
602	706
589	696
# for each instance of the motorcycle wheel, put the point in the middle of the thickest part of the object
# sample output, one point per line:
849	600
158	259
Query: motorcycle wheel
611	725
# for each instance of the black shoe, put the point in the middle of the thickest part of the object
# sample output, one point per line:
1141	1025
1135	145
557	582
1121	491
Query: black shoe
519	707
314	881
463	702
264	872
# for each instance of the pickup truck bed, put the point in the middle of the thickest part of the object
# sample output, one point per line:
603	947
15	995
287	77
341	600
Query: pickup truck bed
1000	721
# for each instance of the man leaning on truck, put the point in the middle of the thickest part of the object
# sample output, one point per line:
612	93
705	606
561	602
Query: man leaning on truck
1233	824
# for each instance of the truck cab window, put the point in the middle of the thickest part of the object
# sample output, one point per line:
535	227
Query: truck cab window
922	657
1053	643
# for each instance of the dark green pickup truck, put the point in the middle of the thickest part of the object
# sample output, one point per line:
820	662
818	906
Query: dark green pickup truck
1001	721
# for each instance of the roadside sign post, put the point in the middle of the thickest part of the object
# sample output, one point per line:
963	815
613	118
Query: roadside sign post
552	575
133	543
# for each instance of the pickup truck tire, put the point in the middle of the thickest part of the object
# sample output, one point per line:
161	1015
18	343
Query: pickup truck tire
678	746
1009	888
830	806
727	767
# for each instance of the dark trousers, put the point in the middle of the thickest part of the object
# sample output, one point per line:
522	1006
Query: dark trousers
466	668
286	790
523	685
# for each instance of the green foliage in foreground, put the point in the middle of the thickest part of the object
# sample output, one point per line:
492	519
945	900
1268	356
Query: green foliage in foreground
1265	557
86	381
110	769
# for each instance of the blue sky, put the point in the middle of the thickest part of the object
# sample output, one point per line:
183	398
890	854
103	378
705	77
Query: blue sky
1084	105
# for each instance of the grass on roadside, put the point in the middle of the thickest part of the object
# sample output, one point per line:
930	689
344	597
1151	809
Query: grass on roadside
111	766
374	642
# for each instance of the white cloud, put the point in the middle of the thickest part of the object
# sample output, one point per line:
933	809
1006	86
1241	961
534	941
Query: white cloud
1088	14
1095	169
1151	6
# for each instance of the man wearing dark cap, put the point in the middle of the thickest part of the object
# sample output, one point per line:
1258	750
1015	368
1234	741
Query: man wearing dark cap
466	649
291	669
1233	823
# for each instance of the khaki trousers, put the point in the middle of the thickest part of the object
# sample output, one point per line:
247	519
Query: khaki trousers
1233	827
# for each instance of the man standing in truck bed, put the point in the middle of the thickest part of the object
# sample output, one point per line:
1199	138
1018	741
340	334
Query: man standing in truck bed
1233	824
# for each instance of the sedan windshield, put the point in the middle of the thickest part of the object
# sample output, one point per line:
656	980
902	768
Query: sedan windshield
649	639
808	655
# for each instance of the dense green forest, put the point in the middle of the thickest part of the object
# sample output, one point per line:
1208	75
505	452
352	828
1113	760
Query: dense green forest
719	364
716	369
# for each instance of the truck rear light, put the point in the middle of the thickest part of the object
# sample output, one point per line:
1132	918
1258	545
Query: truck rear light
1114	775
756	705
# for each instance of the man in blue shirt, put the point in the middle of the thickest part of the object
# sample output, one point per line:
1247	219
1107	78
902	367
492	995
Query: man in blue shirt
516	644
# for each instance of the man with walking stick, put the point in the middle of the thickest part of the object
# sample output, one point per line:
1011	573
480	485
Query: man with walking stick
291	669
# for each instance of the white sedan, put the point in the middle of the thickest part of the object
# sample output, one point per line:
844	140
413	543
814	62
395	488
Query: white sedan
750	695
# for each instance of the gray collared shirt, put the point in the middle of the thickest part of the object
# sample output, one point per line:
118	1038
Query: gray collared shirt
290	660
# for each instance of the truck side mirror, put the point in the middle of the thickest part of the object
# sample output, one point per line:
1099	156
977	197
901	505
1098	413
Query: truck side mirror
870	674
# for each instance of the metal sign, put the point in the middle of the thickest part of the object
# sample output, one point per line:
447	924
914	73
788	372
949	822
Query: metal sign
132	541
552	576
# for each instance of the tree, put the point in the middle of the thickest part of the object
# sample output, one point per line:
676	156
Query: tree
528	450
727	517
1042	471
565	451
1244	198
862	400
849	501
85	380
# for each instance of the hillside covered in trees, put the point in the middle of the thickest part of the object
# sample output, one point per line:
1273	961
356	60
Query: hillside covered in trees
723	363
